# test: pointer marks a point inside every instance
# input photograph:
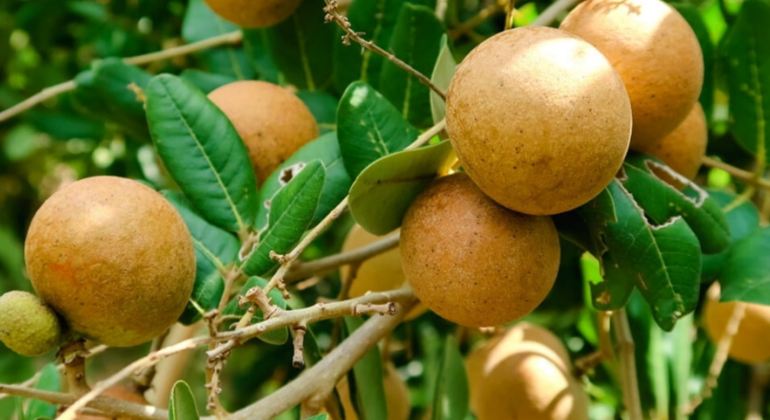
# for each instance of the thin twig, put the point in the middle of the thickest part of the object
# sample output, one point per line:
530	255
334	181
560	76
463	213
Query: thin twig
629	382
143	380
483	14
171	369
553	11
759	376
741	174
332	15
53	91
301	270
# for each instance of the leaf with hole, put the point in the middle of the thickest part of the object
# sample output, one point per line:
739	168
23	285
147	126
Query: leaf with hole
202	152
382	193
291	211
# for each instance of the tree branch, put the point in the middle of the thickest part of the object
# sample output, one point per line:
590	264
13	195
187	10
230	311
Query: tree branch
741	174
481	16
629	382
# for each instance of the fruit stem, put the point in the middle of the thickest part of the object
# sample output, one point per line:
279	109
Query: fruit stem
629	383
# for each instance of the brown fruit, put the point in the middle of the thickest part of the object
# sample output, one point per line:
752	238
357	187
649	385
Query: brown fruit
120	393
751	343
272	122
113	258
684	148
539	119
254	13
378	274
524	373
472	261
656	54
27	325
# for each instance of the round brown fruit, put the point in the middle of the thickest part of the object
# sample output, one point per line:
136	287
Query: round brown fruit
254	13
27	325
684	148
380	273
472	261
272	122
656	53
531	364
113	258
539	119
751	343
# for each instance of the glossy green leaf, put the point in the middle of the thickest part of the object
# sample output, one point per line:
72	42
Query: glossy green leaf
181	404
747	54
214	250
203	152
200	23
103	91
276	337
255	43
48	381
369	127
206	82
336	184
301	46
323	107
742	217
366	380
382	193
441	77
663	194
291	211
746	275
376	19
416	40
451	401
694	17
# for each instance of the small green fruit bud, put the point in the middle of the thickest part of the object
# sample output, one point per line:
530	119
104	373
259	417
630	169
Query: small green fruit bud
27	325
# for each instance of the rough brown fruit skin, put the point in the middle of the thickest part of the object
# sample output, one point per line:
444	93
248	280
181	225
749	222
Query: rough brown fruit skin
27	325
118	392
254	13
377	274
272	122
472	261
751	344
539	119
684	148
113	258
524	373
656	53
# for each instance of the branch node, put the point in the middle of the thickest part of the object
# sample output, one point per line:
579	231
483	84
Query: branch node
369	308
298	361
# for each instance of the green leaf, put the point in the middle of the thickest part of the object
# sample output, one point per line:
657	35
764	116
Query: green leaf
203	152
451	399
319	417
680	363
694	17
747	54
323	107
255	44
181	404
366	380
376	19
215	249
276	337
653	374
746	276
663	195
742	217
206	82
103	91
369	127
48	381
441	77
200	23
416	41
301	45
291	211
336	184
382	193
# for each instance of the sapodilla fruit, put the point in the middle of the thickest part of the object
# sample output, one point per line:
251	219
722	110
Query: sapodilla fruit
539	119
656	53
113	258
524	373
380	273
27	325
751	343
684	148
254	13
272	122
473	261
